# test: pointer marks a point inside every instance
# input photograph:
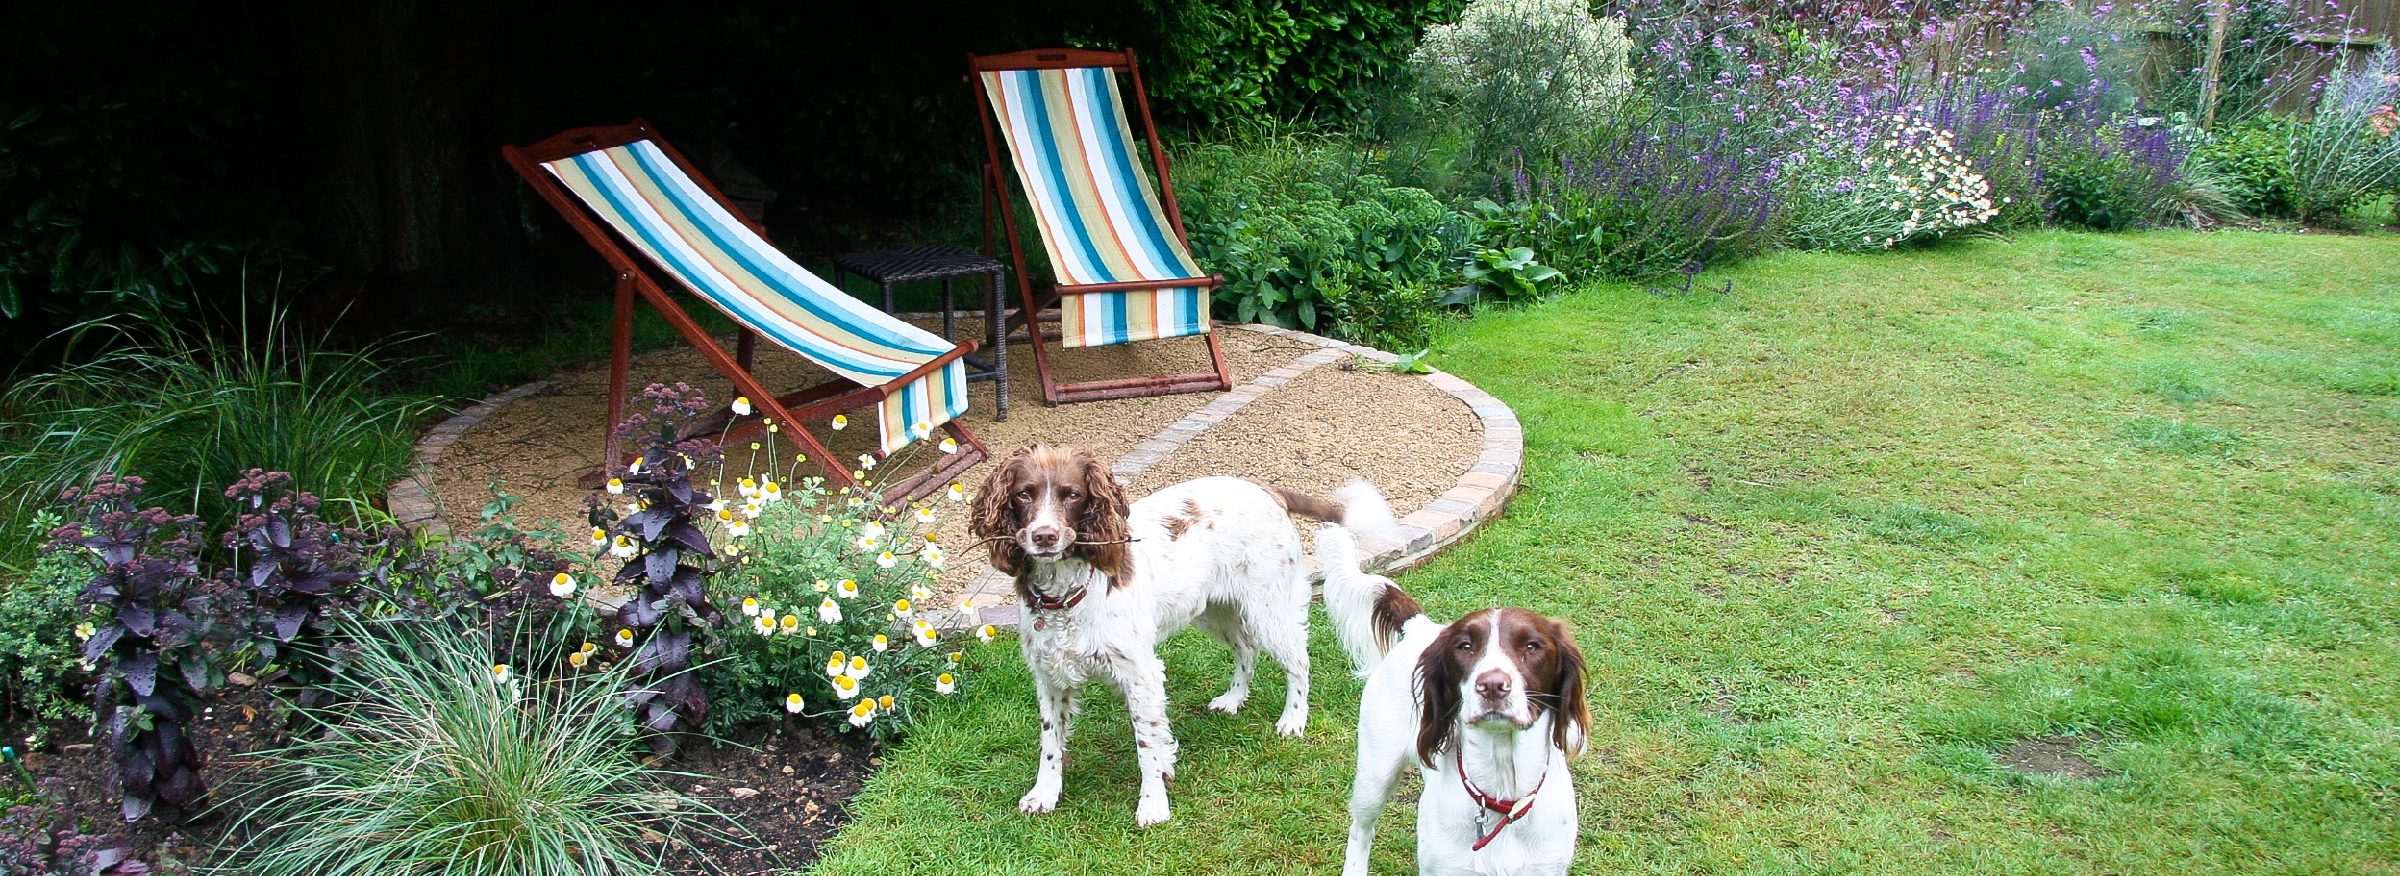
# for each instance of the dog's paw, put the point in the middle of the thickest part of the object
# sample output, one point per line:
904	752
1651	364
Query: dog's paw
1292	725
1038	801
1152	810
1228	702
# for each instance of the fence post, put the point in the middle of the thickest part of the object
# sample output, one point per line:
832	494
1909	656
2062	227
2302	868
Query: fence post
2220	10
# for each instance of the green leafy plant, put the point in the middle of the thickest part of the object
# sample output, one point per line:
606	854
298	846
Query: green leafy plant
1288	217
38	622
437	760
2252	163
1394	317
1510	274
1224	62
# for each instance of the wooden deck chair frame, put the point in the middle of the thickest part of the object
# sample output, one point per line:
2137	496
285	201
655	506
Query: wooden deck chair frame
815	404
997	197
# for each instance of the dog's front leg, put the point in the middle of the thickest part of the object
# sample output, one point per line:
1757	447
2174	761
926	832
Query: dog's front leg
1142	678
1057	705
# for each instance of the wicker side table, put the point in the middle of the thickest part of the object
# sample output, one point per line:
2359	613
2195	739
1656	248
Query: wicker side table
925	264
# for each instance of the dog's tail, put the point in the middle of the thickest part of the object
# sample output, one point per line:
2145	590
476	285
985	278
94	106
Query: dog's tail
1368	610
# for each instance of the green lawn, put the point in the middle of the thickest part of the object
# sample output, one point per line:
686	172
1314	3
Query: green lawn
1835	541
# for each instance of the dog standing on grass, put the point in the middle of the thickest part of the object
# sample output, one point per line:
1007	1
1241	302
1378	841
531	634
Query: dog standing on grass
1490	707
1101	582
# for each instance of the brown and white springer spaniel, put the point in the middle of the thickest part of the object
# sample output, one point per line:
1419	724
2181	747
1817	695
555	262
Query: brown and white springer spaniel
1102	582
1490	707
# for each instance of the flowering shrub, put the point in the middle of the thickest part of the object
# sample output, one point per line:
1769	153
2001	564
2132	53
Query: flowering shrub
834	587
1523	76
2109	177
151	646
1645	205
1881	182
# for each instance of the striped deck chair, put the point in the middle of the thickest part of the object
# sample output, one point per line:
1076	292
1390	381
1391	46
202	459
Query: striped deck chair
1122	267
624	185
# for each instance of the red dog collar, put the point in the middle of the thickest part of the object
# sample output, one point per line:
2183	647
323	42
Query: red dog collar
1509	810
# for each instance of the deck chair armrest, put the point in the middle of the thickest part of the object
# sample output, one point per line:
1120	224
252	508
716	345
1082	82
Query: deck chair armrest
1211	281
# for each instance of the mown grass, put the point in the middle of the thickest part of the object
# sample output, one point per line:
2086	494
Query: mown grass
1832	543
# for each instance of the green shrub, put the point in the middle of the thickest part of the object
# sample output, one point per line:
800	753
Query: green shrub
1521	78
437	760
1225	62
1287	217
39	626
1394	318
829	631
2252	163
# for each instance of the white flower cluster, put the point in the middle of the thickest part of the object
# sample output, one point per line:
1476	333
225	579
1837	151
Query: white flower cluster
1907	182
1584	61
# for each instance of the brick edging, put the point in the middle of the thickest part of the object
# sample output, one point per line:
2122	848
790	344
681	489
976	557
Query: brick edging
410	499
1480	495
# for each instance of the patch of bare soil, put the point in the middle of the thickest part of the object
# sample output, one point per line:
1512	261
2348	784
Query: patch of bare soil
2049	756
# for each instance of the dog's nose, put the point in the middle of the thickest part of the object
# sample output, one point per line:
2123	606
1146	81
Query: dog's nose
1044	538
1492	684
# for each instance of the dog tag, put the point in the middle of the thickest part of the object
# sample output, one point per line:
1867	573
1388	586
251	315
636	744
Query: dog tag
1482	816
1040	622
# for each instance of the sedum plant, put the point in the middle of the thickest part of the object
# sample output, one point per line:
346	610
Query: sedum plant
437	761
668	559
150	644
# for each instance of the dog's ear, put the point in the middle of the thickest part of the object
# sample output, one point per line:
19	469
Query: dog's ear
1103	520
1439	671
996	516
1571	723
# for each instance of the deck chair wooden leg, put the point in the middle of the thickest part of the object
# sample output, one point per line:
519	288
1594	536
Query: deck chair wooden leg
620	363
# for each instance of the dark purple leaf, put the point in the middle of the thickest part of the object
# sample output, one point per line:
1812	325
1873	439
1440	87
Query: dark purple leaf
664	652
141	620
141	672
647	524
692	539
103	638
659	564
687	586
288	621
638	612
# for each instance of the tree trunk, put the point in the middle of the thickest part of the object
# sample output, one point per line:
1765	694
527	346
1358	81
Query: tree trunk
384	92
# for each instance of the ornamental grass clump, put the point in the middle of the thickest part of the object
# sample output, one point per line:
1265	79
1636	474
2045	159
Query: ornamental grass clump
439	761
1883	181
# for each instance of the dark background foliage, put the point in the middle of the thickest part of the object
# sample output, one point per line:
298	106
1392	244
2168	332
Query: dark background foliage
349	151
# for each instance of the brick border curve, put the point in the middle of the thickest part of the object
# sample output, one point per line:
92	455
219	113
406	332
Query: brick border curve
1481	494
